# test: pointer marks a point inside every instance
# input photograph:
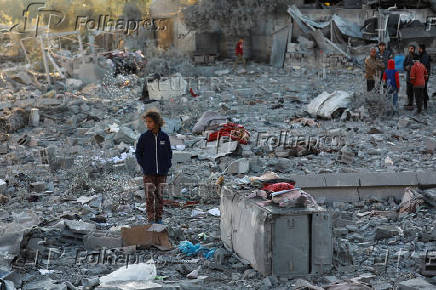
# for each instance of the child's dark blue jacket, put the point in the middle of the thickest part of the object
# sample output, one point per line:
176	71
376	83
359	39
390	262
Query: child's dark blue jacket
153	153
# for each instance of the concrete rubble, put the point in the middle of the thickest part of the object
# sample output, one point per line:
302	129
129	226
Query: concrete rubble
72	201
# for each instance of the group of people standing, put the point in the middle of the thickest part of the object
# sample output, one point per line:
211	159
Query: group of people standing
380	66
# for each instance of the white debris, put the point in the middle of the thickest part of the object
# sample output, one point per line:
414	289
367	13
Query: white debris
135	272
326	104
214	211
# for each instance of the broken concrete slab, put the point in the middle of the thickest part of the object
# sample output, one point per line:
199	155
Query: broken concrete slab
342	180
126	135
172	126
38	186
239	166
79	227
181	156
167	88
48	284
415	284
14	120
328	103
209	119
388	178
309	181
426	179
3	186
386	232
73	84
102	239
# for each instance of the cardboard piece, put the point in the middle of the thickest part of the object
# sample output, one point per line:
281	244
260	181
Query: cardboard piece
146	235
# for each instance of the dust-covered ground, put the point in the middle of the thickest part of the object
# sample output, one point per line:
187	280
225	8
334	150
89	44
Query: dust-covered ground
78	164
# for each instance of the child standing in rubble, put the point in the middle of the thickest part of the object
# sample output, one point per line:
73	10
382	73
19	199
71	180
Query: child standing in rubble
154	154
392	79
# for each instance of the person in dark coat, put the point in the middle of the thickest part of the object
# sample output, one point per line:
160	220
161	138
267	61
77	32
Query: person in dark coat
425	59
154	154
408	63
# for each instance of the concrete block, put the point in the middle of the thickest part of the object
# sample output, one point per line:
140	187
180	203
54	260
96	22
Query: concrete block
427	179
239	166
387	178
38	186
66	162
181	156
346	194
336	180
101	239
3	186
380	192
79	227
4	148
308	181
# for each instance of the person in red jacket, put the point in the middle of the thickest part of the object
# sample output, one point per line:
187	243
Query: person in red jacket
418	77
239	51
392	79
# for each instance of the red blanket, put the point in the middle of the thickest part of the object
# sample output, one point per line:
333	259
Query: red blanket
278	187
235	131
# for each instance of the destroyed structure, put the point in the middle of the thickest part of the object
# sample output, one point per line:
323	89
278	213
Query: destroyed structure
286	173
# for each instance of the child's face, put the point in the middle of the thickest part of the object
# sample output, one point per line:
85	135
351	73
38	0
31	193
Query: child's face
150	123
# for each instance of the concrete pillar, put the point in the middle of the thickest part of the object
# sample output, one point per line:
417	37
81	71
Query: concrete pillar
34	117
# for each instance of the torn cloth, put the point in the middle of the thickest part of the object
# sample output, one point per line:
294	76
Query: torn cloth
278	186
306	24
235	131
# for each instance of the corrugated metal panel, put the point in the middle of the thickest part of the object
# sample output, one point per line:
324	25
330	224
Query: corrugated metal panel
322	243
290	245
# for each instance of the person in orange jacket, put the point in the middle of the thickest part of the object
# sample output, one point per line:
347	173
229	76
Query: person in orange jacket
418	77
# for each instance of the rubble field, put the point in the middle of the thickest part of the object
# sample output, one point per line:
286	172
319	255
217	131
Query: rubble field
69	180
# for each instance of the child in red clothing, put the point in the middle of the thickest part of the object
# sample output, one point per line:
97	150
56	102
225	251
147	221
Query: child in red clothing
239	51
392	79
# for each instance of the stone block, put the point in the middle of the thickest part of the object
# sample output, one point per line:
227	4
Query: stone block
427	179
102	239
239	166
381	193
388	179
181	157
309	181
336	180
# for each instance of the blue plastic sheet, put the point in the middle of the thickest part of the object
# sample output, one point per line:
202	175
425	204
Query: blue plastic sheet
190	249
399	62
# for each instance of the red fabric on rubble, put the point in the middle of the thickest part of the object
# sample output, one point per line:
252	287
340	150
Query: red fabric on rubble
278	187
192	93
235	131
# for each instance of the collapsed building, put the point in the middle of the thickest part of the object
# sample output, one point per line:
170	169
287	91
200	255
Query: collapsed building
286	174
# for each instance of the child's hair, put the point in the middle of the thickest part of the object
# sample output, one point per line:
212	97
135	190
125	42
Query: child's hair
155	116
